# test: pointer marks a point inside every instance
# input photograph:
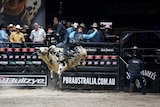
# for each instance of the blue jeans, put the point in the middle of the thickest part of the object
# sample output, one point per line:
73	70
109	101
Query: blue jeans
138	76
64	44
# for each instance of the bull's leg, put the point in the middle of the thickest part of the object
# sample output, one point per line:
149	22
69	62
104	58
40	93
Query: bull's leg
51	74
83	55
62	67
83	62
54	84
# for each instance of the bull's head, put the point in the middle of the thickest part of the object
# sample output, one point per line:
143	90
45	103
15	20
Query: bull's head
43	51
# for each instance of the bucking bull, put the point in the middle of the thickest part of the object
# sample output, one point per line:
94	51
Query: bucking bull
51	56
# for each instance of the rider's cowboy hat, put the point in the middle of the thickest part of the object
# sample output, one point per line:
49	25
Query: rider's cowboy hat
75	25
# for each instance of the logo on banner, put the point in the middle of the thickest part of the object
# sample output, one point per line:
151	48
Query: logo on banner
147	73
23	80
89	81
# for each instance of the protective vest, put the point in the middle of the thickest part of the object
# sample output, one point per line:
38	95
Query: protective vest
78	37
135	65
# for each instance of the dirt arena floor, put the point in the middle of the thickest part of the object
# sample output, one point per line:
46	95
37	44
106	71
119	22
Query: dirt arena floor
46	97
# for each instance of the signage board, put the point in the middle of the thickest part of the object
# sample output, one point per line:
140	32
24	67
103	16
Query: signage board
23	80
86	80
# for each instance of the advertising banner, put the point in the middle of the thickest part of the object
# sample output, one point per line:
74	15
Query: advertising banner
150	78
88	80
22	12
23	80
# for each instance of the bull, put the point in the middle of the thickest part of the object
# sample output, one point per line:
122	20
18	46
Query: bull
51	56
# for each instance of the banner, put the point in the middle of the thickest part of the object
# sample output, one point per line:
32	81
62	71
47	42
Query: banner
23	80
88	80
22	12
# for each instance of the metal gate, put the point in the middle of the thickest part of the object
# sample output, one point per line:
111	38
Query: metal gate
147	43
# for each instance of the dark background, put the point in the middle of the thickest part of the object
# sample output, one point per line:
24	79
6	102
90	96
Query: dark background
130	14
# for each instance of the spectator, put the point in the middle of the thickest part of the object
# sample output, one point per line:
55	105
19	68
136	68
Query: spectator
84	27
60	32
98	37
10	29
3	36
17	37
61	36
107	33
68	24
38	35
26	32
135	66
49	30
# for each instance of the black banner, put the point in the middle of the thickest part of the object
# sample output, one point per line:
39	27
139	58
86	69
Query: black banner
88	80
23	80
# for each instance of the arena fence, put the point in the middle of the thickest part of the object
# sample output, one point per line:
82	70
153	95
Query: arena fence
104	66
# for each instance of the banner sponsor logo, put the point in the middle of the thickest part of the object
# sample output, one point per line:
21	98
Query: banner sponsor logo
89	81
149	74
23	80
3	62
107	50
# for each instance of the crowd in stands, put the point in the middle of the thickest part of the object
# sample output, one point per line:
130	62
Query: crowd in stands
17	34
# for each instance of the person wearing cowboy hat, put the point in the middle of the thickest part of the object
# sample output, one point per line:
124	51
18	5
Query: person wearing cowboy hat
135	66
107	33
98	36
26	31
134	52
17	37
84	27
10	29
77	36
73	27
